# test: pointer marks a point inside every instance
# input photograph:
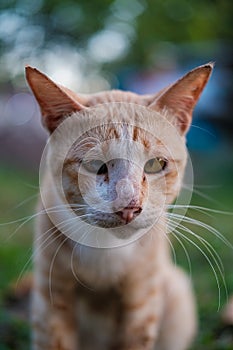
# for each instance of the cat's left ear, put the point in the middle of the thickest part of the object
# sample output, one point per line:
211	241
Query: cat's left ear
179	99
55	101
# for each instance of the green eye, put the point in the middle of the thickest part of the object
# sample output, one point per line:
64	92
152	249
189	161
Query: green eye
96	166
155	165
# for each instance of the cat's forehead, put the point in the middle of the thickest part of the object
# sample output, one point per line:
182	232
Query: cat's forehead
125	123
116	139
129	121
117	96
121	140
120	131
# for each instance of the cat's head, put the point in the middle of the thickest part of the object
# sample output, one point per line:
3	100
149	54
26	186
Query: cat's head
118	158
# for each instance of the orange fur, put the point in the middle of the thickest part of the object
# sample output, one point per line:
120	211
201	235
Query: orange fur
129	297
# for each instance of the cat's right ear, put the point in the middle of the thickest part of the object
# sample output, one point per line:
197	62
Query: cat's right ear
55	102
180	98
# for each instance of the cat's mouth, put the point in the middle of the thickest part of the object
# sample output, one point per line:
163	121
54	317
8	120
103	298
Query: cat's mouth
112	220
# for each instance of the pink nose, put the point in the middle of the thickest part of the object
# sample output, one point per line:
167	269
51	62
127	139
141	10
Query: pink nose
129	213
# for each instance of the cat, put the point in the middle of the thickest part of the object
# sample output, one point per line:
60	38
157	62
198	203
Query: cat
104	275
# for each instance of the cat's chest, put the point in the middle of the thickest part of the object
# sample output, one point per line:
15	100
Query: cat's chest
100	267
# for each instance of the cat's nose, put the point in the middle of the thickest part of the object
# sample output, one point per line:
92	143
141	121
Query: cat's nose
129	213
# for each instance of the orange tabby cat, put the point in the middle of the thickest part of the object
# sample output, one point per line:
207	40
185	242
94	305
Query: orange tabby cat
104	276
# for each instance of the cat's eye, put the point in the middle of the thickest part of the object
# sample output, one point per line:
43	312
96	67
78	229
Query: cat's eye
96	166
155	165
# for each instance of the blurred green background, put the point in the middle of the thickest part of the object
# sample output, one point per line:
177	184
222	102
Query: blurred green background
138	45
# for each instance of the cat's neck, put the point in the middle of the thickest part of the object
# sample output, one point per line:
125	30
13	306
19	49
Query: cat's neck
98	266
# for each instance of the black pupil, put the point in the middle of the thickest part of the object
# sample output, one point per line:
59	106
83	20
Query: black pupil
163	164
102	170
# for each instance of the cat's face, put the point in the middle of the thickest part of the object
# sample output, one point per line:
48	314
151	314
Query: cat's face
119	158
121	173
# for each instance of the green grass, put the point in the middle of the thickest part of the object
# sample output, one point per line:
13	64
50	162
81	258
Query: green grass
15	238
15	251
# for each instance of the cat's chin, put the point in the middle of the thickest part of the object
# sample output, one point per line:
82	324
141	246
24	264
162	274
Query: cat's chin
125	231
112	224
105	224
129	233
115	223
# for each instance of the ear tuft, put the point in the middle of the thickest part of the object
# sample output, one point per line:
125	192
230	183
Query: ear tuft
180	98
54	101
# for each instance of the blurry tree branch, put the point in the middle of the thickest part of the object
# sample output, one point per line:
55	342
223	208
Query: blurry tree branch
138	28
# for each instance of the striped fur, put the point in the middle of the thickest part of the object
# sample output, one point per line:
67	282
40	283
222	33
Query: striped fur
129	297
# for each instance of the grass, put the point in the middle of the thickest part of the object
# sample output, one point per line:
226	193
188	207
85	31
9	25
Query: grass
17	200
15	250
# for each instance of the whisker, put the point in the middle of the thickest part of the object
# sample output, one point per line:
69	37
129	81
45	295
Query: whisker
205	196
202	195
213	254
208	260
29	185
203	129
43	244
203	225
208	246
185	251
169	242
27	219
25	201
74	273
35	252
80	246
172	248
51	267
198	208
55	255
43	211
207	186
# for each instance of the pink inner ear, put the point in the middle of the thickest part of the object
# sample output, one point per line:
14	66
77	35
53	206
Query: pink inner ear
56	103
181	97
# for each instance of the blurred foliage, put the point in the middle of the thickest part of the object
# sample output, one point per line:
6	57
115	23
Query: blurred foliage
144	28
